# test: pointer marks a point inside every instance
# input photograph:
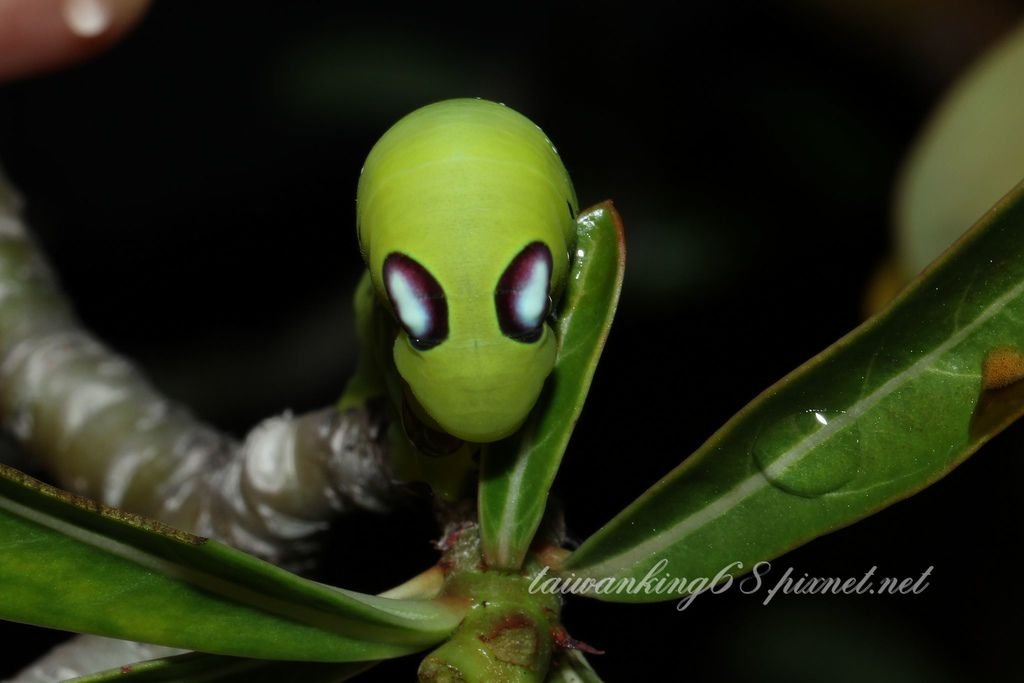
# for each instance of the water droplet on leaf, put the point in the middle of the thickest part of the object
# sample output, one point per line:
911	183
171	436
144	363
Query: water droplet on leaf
810	453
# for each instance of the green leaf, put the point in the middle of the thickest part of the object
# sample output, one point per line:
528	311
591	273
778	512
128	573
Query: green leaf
72	564
970	154
571	667
196	667
879	415
517	473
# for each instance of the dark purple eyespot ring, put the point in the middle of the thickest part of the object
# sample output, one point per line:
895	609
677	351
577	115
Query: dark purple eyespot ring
522	297
418	300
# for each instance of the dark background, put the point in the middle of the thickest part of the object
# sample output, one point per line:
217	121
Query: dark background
195	190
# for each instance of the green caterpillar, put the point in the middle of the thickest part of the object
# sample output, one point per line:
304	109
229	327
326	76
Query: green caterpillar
466	220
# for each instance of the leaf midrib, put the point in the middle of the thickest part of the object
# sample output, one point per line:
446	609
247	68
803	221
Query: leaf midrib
223	588
629	558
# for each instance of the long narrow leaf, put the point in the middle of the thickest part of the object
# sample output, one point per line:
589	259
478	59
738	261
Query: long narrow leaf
70	563
882	413
517	473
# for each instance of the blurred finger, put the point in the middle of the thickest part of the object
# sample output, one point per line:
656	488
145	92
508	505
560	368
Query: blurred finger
36	35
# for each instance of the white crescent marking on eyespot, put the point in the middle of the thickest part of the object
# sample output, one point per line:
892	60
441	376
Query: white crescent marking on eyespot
413	313
532	299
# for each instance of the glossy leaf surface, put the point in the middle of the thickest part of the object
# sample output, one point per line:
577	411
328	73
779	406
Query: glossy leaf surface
882	413
517	473
69	563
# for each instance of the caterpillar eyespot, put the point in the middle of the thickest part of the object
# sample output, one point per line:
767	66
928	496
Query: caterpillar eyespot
466	222
417	299
522	298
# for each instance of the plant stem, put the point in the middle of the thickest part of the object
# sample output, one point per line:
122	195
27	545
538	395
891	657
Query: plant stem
508	632
505	637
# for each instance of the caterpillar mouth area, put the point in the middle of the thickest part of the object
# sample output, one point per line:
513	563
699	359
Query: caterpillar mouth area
426	439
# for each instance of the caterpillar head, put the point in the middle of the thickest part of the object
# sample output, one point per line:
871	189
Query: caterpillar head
466	222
